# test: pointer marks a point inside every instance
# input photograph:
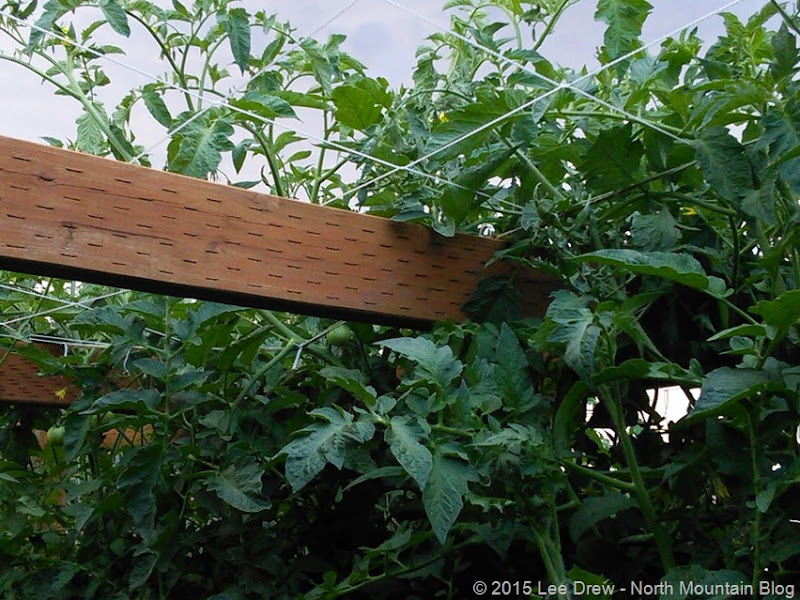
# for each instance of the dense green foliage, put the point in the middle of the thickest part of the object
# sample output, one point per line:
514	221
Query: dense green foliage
246	456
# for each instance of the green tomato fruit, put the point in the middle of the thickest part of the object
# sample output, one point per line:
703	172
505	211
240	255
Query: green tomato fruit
339	336
101	421
55	435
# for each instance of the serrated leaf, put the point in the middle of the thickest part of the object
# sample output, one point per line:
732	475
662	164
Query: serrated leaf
461	197
465	122
141	569
91	137
760	203
624	19
237	26
53	10
675	587
511	375
155	105
142	473
116	17
680	268
355	107
494	300
55	142
781	138
135	399
437	364
239	153
264	104
724	164
614	159
595	509
655	232
322	443
240	486
196	149
351	380
569	415
784	51
574	326
150	366
443	497
403	436
725	386
747	330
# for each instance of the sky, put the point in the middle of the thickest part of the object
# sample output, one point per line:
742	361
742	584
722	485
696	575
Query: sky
379	34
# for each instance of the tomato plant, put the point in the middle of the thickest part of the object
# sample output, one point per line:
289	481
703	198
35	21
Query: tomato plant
256	454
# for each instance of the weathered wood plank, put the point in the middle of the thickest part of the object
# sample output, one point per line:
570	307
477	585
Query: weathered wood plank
20	383
72	215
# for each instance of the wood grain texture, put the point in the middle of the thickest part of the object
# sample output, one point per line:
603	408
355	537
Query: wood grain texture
72	215
75	216
21	383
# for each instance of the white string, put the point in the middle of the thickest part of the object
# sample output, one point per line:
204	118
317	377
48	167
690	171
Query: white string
58	308
247	113
71	342
530	103
239	89
533	71
393	168
82	303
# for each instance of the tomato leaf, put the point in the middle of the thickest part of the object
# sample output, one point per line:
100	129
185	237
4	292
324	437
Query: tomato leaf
443	495
595	509
240	486
624	19
436	364
323	443
680	268
403	436
196	149
237	25
724	164
725	386
155	105
116	17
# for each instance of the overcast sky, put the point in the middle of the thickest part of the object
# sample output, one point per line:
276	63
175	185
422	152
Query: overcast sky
380	35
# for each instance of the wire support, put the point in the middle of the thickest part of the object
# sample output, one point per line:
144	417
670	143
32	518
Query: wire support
267	121
548	80
83	304
238	90
539	98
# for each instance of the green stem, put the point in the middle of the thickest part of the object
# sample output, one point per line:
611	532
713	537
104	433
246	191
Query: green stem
165	51
201	86
751	432
266	147
736	252
88	106
728	212
622	191
254	379
314	195
614	406
451	430
624	486
549	27
554	192
391	575
786	17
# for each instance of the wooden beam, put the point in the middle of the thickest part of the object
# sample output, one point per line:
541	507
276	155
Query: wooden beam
20	382
76	216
